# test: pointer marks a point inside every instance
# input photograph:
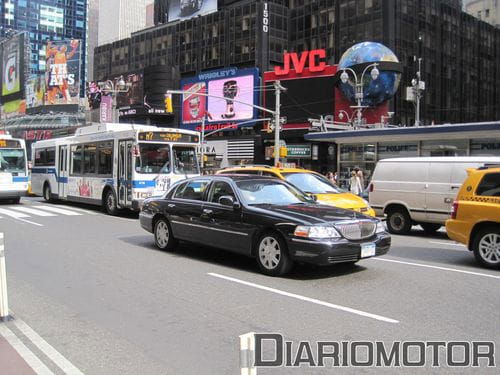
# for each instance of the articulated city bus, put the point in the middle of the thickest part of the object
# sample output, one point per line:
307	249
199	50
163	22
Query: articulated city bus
13	168
113	165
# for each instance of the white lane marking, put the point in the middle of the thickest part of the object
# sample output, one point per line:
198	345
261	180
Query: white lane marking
47	349
77	209
32	211
61	211
436	267
306	299
14	214
448	243
24	352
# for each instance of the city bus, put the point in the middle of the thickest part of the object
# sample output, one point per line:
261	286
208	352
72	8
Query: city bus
13	168
113	165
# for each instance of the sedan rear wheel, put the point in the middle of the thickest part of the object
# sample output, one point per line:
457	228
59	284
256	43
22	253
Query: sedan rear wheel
486	248
163	235
272	255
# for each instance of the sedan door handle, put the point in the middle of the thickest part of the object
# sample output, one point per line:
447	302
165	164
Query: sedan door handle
171	205
207	212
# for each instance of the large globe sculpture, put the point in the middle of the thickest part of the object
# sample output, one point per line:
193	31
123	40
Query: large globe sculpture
375	91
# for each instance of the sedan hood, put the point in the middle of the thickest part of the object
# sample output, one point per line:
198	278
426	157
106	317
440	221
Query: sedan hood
309	213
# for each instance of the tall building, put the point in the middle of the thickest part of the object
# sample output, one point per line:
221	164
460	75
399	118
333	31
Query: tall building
46	20
486	10
460	54
119	18
92	35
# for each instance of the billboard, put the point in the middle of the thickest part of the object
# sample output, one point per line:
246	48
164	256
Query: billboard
12	65
230	89
184	9
62	72
135	93
35	91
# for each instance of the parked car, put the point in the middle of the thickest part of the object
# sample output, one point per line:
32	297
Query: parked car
421	191
475	220
310	182
262	217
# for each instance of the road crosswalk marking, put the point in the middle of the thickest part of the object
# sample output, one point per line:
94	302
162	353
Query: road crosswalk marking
58	210
32	211
14	214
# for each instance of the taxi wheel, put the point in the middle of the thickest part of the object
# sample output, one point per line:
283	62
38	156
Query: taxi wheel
486	247
164	239
272	255
398	221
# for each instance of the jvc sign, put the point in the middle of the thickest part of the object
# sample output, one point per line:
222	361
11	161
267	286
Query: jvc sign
314	60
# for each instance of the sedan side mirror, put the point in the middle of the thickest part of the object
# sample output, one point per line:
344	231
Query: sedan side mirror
226	200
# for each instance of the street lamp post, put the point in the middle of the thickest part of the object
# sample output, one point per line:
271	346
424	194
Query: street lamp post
112	88
418	87
358	84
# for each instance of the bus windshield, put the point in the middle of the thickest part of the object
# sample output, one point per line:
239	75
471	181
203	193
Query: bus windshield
12	161
153	158
185	161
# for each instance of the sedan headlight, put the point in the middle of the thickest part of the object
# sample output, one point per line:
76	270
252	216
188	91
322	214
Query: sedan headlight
316	232
380	227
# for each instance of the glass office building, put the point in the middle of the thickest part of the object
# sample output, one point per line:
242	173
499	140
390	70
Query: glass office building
46	20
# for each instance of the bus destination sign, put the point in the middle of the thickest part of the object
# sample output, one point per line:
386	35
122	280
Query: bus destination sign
9	143
168	137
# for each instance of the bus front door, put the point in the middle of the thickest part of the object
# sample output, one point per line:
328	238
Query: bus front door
125	173
62	180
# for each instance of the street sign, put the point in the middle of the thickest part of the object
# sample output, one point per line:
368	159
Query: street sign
299	151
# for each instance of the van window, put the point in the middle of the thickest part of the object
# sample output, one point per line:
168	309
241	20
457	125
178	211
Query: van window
489	186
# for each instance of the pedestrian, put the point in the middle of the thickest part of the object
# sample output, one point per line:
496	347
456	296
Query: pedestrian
355	184
361	177
332	177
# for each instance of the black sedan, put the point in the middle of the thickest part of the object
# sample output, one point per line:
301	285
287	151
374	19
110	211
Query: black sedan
262	217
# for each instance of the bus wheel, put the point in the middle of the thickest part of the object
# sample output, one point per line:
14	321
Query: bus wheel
110	203
47	193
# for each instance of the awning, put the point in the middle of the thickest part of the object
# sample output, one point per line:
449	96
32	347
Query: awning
449	131
44	121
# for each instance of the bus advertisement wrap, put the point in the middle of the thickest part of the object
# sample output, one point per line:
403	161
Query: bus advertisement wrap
62	71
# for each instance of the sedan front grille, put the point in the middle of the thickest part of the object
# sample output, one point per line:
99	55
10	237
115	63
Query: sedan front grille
356	230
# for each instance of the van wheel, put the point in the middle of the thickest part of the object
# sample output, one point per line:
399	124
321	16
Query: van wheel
110	204
47	193
16	200
430	228
398	221
486	247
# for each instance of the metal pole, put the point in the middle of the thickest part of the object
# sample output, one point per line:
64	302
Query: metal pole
417	114
277	123
202	153
115	115
4	301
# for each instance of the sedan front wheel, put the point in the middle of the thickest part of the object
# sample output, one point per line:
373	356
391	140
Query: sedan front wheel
272	255
163	235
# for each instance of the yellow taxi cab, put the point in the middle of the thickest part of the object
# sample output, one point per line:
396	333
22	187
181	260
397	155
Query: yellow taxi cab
475	218
311	183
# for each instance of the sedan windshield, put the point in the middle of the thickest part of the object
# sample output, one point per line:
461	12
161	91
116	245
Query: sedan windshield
12	161
153	158
311	183
270	192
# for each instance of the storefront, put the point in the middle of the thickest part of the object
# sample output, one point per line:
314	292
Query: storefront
363	148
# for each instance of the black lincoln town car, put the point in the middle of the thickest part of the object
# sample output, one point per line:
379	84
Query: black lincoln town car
262	217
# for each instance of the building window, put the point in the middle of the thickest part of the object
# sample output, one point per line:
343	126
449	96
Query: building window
444	148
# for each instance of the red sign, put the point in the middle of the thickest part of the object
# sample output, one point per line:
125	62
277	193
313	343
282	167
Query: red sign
292	61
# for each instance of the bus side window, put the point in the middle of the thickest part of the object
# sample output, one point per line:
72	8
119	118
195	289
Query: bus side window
76	160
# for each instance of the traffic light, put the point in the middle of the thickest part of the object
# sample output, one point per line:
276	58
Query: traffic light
168	103
283	152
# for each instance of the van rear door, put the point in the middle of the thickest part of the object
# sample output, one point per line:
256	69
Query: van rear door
439	193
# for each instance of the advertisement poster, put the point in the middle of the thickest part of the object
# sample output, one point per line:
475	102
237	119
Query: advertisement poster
233	95
193	106
62	72
35	91
134	92
184	9
11	66
106	109
239	88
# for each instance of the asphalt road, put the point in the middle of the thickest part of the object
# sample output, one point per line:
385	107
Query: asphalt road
95	289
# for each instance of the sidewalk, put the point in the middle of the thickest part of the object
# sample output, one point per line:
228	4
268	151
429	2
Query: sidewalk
12	362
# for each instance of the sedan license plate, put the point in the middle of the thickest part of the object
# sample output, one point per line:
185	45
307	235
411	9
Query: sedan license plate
368	250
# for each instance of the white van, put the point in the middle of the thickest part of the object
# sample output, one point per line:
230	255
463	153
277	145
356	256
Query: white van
421	191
